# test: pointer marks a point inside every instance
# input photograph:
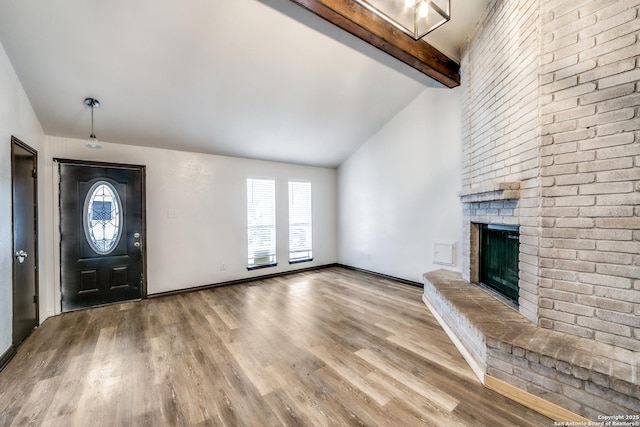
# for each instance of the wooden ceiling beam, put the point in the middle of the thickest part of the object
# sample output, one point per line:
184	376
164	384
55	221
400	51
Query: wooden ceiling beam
355	19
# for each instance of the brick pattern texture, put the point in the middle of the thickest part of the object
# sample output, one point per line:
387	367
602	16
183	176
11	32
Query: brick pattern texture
552	99
586	377
590	170
501	131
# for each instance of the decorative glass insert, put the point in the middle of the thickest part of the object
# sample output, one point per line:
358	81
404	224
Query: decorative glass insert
102	217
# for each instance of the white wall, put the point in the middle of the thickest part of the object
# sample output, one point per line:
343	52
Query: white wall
196	212
18	119
397	194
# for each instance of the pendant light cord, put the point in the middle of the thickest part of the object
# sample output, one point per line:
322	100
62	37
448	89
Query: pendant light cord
92	134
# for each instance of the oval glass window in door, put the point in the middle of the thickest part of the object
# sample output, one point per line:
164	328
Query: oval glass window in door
102	217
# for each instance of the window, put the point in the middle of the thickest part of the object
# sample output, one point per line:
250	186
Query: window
102	216
261	222
300	235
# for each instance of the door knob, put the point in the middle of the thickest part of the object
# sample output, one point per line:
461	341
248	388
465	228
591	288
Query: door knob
21	255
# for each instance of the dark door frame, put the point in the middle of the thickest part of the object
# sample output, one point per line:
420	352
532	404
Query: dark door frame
143	175
16	142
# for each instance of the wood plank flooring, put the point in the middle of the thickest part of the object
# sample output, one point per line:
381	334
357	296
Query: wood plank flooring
330	347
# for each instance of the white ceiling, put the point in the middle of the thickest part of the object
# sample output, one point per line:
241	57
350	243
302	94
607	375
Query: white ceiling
262	79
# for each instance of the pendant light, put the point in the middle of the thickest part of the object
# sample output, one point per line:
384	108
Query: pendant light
92	142
417	18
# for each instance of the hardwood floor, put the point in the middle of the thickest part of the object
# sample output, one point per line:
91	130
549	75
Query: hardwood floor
329	347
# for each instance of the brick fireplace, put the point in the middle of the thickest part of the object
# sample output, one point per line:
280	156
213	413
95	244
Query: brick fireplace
483	209
551	144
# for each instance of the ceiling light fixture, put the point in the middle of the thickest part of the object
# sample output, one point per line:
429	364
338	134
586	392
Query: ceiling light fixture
92	142
416	18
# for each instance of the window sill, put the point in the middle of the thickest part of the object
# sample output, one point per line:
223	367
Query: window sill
298	261
259	266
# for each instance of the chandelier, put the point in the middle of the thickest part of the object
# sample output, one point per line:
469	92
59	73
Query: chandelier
416	18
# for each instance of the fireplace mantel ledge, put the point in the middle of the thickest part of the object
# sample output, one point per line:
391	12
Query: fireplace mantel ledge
490	192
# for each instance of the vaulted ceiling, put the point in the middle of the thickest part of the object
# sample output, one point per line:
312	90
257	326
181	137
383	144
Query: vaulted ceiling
263	79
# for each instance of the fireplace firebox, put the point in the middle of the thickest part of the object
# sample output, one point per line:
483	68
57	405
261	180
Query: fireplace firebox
499	250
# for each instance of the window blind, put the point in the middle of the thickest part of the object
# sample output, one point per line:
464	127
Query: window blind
300	227
261	222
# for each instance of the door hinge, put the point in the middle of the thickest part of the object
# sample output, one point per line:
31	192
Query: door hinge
34	173
35	299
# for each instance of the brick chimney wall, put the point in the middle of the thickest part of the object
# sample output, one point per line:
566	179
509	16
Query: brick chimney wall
552	104
501	135
590	176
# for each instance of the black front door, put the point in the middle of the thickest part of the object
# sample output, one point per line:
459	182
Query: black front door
25	261
101	233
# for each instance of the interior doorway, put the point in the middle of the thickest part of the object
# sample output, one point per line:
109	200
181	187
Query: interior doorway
24	197
102	233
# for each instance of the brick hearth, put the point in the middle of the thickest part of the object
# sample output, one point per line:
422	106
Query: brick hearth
583	376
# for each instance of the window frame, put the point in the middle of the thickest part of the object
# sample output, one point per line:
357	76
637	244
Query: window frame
252	249
306	224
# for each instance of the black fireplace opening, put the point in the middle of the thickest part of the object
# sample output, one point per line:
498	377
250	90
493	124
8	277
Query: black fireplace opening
499	250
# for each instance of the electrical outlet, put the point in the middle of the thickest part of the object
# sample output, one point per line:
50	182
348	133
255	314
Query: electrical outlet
223	266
